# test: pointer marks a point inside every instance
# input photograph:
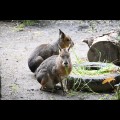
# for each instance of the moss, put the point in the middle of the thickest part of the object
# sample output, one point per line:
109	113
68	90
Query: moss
25	23
29	22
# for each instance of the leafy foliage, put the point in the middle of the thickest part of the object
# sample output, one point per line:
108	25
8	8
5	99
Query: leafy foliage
24	23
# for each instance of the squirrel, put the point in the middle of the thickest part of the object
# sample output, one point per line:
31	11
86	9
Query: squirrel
44	51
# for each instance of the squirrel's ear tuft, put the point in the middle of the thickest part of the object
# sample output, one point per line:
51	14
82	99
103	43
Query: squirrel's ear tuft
61	34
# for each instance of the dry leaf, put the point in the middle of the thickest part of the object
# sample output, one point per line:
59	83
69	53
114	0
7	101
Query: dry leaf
108	80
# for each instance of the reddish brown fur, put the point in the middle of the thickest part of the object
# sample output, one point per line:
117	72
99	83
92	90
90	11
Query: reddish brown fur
60	68
53	69
65	42
45	51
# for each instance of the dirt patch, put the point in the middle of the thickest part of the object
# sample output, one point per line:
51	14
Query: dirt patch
17	81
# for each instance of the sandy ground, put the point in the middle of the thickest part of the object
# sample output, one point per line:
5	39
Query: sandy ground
17	81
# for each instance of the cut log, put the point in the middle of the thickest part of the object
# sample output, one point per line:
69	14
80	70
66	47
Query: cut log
104	51
105	48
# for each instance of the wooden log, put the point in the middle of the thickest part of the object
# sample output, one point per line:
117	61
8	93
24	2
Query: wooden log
105	48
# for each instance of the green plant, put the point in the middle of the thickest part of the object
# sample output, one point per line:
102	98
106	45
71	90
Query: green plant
105	97
29	22
72	93
20	27
77	58
24	23
118	91
82	71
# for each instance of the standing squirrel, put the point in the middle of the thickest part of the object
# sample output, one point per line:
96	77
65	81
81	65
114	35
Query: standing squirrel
53	70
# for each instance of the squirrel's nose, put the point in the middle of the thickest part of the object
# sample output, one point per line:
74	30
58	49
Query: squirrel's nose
66	63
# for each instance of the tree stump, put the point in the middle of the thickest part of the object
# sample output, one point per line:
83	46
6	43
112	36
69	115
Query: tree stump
105	48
